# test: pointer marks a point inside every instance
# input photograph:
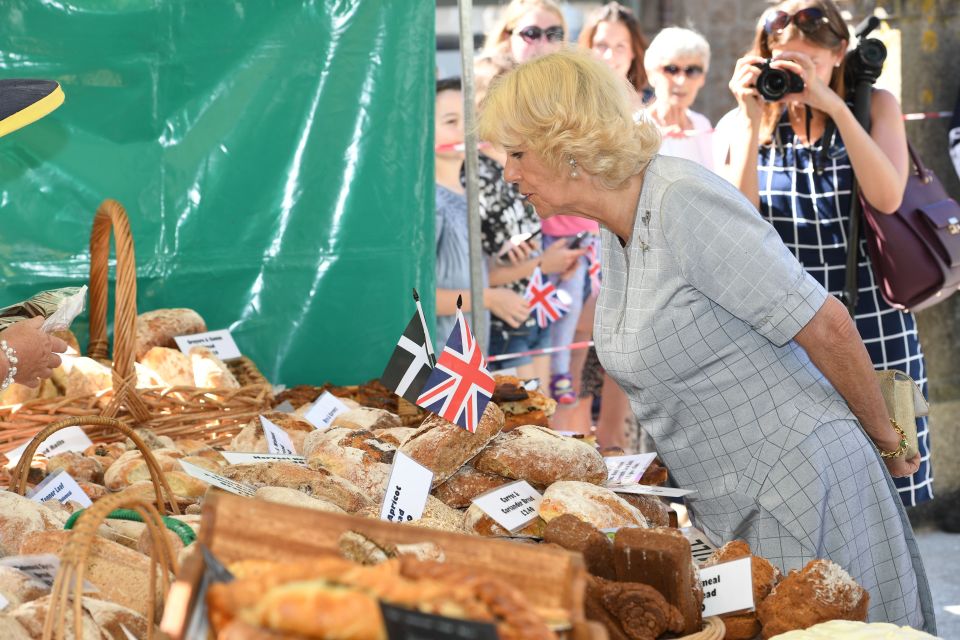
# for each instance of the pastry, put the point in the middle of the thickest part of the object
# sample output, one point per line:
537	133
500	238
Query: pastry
661	558
820	591
171	366
630	610
209	371
573	534
158	328
465	485
443	447
541	456
597	505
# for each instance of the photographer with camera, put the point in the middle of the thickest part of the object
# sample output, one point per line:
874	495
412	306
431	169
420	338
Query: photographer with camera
793	147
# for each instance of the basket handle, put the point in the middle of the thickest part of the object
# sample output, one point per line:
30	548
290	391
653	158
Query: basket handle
18	483
112	216
73	561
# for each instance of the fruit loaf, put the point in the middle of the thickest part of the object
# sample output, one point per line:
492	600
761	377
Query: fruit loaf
541	456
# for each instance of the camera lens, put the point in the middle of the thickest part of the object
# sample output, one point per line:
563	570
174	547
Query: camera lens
873	52
772	84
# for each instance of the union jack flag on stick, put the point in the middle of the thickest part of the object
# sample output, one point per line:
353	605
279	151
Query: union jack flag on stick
544	300
460	386
593	268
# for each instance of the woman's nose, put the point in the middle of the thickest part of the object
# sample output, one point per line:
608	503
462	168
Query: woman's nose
510	173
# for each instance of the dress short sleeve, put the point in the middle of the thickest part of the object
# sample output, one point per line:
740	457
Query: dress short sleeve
728	252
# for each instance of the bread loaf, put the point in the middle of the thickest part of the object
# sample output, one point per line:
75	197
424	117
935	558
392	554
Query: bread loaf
10	629
171	366
439	516
573	534
465	485
22	519
294	498
101	620
18	587
395	436
653	508
86	377
443	447
599	506
106	454
541	456
209	371
158	328
251	438
81	468
367	418
357	456
318	483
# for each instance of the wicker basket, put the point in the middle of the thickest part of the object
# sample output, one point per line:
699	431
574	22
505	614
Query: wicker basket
211	414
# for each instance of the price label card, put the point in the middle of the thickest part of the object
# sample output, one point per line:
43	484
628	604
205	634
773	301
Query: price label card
405	624
60	487
217	480
627	469
650	490
69	439
278	440
220	342
42	567
512	506
324	410
236	457
700	547
407	490
727	587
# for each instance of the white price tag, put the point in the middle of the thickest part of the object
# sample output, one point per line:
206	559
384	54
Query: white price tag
727	587
407	490
236	457
42	567
324	410
217	480
220	342
60	487
627	469
69	439
278	440
650	490
512	506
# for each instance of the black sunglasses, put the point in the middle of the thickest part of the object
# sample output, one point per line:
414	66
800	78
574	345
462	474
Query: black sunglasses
807	20
692	71
532	34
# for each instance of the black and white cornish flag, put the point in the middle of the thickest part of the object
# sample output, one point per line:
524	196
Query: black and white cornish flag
954	137
411	362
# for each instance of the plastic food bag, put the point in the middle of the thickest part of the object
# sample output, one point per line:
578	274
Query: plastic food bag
59	306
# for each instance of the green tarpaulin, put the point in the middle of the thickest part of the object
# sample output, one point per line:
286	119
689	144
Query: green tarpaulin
275	159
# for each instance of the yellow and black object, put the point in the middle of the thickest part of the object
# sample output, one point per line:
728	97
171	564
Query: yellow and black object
23	101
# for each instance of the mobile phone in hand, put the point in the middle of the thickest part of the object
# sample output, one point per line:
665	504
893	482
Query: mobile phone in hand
578	240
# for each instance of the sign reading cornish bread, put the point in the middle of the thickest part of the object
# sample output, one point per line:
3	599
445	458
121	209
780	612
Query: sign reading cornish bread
512	506
220	342
407	490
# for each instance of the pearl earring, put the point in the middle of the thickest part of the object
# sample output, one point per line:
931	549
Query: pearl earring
573	168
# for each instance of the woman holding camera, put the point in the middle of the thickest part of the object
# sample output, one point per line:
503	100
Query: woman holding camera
794	156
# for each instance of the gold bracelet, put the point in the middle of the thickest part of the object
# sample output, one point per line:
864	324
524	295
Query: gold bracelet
902	449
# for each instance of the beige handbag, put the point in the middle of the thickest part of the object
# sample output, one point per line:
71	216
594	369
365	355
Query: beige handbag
905	403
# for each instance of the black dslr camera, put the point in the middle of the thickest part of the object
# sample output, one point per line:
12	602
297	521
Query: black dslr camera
773	84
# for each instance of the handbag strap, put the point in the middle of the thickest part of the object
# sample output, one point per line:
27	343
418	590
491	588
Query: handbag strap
924	174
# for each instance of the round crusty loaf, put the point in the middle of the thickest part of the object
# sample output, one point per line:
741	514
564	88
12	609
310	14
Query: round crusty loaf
251	438
80	467
367	418
209	371
465	485
443	447
599	506
171	366
159	327
395	435
357	456
653	508
541	456
23	518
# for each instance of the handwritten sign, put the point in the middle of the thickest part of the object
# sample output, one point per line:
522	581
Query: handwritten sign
217	480
220	342
60	487
627	469
324	410
407	490
278	440
700	546
727	587
236	457
69	439
41	567
407	624
650	490
512	506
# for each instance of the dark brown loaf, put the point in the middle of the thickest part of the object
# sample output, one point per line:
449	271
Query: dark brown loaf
443	447
542	456
465	485
158	328
652	507
573	534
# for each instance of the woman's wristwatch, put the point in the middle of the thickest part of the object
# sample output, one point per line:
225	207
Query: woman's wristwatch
902	449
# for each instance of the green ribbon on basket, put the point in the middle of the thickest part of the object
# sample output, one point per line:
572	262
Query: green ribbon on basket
183	530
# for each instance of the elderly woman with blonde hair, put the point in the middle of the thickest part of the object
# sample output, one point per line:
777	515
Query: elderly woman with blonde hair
751	380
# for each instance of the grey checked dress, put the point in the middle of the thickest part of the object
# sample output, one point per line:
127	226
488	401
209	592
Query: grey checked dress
695	321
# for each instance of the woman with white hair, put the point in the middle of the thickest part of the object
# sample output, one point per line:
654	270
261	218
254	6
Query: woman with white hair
676	62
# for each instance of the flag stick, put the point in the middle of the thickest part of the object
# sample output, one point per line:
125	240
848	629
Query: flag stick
426	333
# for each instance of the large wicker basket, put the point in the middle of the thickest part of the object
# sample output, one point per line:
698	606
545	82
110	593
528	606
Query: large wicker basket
211	414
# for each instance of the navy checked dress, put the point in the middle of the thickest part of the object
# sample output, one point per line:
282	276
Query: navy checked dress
805	194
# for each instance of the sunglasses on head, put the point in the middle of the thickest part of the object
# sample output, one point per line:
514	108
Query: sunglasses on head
532	34
807	20
691	71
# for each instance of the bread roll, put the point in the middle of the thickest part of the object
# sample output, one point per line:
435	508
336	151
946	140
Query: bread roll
541	456
443	447
294	498
172	366
209	371
599	506
251	438
465	485
318	483
357	456
22	519
158	328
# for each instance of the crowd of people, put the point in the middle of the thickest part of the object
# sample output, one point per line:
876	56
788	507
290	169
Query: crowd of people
792	159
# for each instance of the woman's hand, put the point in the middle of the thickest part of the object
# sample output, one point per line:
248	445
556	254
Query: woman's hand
558	259
515	254
816	92
743	86
36	351
507	305
901	467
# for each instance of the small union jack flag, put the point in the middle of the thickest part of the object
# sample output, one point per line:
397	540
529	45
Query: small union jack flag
544	300
593	268
460	386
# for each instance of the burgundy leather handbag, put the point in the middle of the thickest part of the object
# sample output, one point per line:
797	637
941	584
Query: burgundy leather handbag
915	251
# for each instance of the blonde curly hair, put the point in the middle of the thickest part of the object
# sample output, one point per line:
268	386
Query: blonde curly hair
569	105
